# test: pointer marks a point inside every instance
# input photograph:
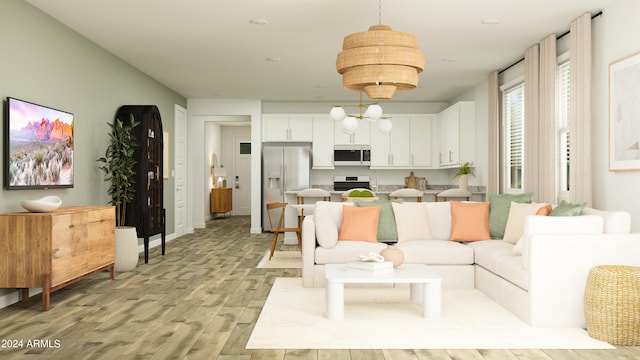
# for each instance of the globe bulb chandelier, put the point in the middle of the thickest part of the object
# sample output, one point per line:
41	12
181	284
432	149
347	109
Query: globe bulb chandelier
380	61
373	113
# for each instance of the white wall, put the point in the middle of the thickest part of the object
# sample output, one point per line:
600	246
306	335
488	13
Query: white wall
480	94
615	36
388	106
201	111
45	62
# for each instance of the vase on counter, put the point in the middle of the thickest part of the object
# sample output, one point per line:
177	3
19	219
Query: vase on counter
463	182
393	254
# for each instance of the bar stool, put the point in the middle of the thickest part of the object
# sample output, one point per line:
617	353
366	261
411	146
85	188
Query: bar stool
406	193
455	193
303	198
277	229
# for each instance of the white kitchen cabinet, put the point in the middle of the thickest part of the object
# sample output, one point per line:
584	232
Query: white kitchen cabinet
322	148
285	127
361	136
422	128
400	155
457	134
407	146
380	148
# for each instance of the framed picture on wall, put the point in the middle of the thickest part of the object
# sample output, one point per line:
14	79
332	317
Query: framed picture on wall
624	114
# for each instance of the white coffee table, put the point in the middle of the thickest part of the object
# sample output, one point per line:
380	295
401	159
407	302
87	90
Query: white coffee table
426	286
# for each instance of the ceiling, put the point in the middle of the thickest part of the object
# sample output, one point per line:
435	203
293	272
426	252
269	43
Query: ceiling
211	49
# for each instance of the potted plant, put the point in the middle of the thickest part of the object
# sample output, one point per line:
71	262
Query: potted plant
118	167
463	174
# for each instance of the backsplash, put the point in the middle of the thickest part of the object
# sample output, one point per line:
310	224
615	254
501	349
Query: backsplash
475	189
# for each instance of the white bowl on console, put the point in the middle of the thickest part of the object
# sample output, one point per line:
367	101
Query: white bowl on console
45	204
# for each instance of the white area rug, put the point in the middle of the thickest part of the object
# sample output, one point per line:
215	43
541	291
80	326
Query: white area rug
384	318
281	260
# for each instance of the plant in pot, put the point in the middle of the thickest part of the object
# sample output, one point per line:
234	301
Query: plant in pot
463	174
118	167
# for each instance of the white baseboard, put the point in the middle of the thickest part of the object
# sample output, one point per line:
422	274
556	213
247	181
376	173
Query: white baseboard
155	242
256	230
13	297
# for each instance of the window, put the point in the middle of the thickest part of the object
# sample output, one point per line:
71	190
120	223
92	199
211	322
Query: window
563	113
513	136
245	148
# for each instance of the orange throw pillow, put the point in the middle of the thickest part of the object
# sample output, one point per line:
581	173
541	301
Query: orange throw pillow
470	221
545	210
360	223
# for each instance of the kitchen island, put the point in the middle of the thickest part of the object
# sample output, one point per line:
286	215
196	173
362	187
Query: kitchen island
291	219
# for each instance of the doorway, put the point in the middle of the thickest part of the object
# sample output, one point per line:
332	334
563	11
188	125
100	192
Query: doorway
180	150
242	176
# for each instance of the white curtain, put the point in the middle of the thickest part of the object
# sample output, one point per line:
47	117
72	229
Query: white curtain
493	175
580	185
531	120
540	120
547	146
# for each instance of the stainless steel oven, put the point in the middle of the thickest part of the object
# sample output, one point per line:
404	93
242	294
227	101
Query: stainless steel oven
342	183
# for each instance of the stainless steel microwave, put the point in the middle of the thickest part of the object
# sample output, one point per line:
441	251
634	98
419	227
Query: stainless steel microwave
352	155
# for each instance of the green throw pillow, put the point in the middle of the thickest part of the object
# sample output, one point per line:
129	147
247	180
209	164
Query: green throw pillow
387	227
499	210
567	209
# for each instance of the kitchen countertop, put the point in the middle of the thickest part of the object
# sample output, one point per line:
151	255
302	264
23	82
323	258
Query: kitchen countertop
475	190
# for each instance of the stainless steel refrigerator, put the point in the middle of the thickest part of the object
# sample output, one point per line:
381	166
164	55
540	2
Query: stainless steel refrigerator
285	167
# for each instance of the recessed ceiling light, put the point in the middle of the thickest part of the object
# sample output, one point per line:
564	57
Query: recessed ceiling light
258	21
449	59
490	22
273	59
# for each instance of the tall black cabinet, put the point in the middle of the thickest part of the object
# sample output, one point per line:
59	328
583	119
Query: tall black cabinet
147	211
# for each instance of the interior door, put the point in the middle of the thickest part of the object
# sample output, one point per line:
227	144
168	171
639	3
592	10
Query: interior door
241	181
180	149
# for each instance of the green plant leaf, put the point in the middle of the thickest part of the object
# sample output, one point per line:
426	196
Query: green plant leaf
118	165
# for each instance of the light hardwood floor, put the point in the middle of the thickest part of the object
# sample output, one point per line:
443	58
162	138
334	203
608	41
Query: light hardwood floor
200	301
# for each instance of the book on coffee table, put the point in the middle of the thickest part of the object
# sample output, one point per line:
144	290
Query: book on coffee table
384	267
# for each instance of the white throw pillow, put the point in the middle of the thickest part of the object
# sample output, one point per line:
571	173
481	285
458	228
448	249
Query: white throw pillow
439	219
326	231
412	220
515	220
328	220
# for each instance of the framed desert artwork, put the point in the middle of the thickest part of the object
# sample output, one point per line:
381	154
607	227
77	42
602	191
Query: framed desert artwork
624	114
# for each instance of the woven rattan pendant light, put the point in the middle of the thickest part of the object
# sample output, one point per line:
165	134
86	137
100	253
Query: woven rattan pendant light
380	62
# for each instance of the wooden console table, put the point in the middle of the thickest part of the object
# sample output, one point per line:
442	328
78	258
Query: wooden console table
221	200
55	249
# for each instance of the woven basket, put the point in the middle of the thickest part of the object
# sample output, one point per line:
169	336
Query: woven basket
612	304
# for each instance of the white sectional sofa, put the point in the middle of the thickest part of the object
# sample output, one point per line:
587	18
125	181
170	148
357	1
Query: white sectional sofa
542	281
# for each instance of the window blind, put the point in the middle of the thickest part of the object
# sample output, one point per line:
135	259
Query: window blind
513	122
564	112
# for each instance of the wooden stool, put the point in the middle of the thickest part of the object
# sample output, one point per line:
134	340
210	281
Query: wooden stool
315	195
454	193
406	193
